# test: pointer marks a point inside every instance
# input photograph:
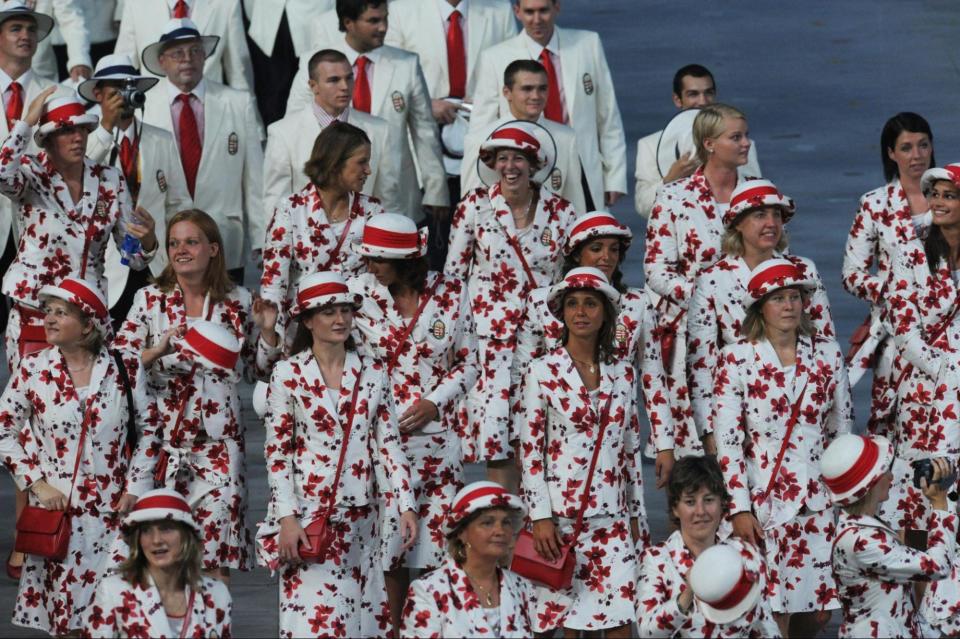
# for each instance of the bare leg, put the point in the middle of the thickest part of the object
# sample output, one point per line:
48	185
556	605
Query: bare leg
504	472
808	624
398	581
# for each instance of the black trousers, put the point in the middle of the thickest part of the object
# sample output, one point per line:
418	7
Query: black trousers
9	252
440	229
97	51
273	75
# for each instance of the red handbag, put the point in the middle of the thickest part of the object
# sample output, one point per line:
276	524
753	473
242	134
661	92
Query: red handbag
32	338
858	338
558	575
319	531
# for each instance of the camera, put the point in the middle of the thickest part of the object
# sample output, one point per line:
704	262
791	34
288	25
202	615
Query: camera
923	468
133	97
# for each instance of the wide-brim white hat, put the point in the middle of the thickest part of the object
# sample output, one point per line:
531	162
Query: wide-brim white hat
950	173
754	194
676	139
478	496
161	504
17	9
773	274
391	236
178	29
83	294
115	67
724	585
212	345
596	224
63	110
453	135
580	278
852	464
522	136
322	289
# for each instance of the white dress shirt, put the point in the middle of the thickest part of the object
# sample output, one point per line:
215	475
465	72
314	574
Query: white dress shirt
446	10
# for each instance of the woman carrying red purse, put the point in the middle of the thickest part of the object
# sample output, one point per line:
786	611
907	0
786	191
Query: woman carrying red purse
329	422
64	420
581	476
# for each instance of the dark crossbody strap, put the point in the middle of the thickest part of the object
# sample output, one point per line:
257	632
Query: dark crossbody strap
131	413
791	423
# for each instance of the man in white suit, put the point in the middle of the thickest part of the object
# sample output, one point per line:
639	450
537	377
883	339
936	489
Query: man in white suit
148	158
143	22
582	96
218	136
693	88
73	29
525	87
101	27
290	141
389	84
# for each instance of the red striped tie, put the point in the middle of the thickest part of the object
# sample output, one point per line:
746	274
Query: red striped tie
15	104
190	146
456	57
181	10
554	110
361	87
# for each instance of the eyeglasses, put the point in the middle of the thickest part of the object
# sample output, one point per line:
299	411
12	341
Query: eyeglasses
179	55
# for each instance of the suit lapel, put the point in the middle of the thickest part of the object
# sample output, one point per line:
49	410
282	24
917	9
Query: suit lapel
804	368
157	111
569	65
90	195
502	210
383	71
476	30
470	603
214	117
98	375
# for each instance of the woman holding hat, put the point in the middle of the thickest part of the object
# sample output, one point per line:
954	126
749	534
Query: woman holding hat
417	322
582	482
697	501
330	424
312	230
160	591
195	382
599	240
684	238
505	241
874	570
781	396
67	208
889	219
753	234
65	417
483	599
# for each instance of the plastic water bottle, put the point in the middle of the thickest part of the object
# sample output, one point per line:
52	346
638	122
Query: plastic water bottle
129	248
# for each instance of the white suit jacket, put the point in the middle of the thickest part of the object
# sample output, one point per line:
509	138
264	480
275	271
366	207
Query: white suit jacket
265	18
144	20
163	192
399	96
589	95
647	174
564	180
418	26
230	176
290	143
98	18
73	30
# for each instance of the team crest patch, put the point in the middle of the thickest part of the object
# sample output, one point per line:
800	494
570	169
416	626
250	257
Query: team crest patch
439	329
233	143
161	181
546	238
398	102
621	333
556	179
587	84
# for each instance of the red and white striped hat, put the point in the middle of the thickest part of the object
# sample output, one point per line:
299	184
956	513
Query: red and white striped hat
159	505
83	294
950	173
582	277
212	345
392	236
61	111
772	274
477	496
852	464
753	194
522	136
725	581
596	224
320	289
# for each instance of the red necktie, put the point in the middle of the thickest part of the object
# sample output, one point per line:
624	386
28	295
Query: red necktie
456	57
127	160
190	145
554	110
181	10
361	88
15	105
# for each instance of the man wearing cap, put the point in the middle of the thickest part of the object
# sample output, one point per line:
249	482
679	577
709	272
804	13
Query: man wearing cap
693	87
218	135
290	140
581	93
389	83
148	158
525	86
143	23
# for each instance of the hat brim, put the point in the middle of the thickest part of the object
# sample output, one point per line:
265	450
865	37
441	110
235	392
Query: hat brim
548	149
625	235
202	359
884	459
508	501
86	121
676	140
159	514
384	253
561	287
935	174
808	286
86	88
44	22
730	615
327	300
151	54
785	204
62	294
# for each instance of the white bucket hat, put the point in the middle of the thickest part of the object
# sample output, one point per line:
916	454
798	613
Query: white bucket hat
83	294
159	505
522	136
852	464
322	288
725	583
596	224
772	274
452	136
392	236
676	139
117	67
582	277
176	29
753	194
950	172
17	9
212	345
478	496
260	398
60	111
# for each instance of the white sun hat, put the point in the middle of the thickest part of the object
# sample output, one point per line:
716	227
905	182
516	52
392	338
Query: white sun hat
754	194
176	29
116	67
582	277
213	346
771	275
161	504
596	224
521	135
18	8
477	496
62	110
392	236
726	586
852	464
322	288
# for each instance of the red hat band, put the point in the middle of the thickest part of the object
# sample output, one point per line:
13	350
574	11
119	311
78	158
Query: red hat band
757	194
162	501
737	594
464	502
518	136
62	114
86	296
382	238
600	220
772	275
223	357
858	471
321	290
954	171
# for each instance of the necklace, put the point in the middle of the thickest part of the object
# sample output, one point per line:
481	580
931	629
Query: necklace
592	365
526	213
80	368
488	595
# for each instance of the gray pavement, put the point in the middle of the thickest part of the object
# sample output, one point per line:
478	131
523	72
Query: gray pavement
817	81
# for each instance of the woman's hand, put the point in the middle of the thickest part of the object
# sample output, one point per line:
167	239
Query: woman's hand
142	226
546	539
265	316
289	540
408	529
418	416
163	347
662	467
35	110
125	504
50	497
747	528
933	491
685	599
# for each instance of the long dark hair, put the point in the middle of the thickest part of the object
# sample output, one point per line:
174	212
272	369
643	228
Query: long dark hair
411	273
303	339
903	121
606	339
936	248
572	261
